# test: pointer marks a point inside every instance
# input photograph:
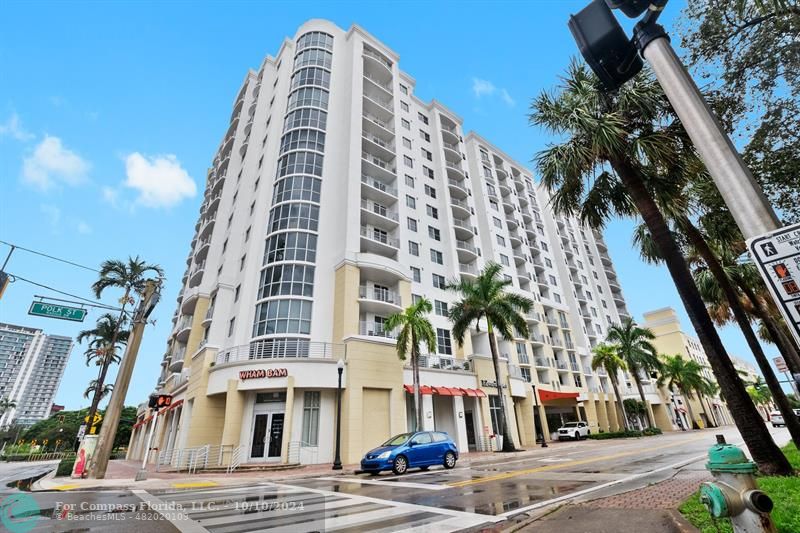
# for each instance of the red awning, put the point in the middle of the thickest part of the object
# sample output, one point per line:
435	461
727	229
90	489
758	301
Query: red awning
174	405
446	391
423	389
480	393
546	395
476	393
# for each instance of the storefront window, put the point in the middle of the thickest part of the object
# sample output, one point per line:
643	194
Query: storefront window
495	410
311	401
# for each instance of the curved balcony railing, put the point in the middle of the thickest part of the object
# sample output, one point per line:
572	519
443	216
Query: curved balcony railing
379	294
440	362
282	349
375	329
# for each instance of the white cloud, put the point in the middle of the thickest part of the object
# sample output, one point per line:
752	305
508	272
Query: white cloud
83	228
482	88
53	215
160	180
52	162
14	129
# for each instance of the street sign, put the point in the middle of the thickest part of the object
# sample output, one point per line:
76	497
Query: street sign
777	256
97	418
81	431
780	364
62	312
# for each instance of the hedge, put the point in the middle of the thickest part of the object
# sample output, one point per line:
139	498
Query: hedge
625	434
65	466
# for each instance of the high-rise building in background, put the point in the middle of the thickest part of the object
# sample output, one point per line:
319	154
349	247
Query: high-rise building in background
672	340
335	199
31	366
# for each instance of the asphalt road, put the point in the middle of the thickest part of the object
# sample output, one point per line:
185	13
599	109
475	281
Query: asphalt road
479	492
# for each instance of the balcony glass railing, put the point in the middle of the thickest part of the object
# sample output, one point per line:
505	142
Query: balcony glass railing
282	349
375	329
378	236
379	294
377	184
440	362
464	245
380	210
378	162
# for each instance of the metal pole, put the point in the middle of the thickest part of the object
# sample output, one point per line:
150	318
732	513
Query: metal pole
337	461
8	257
741	192
143	474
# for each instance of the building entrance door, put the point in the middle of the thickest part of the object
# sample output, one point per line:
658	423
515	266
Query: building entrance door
469	422
267	437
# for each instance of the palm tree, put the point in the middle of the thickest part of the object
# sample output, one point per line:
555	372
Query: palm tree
131	277
684	374
92	389
617	156
760	394
6	404
634	346
100	346
607	357
415	328
485	298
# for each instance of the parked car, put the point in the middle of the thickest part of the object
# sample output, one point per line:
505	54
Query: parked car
574	430
777	419
421	449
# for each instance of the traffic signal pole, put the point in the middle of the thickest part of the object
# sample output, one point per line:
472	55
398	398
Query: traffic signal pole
742	194
108	431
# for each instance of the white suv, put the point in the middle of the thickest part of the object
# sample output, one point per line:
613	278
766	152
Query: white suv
574	430
777	419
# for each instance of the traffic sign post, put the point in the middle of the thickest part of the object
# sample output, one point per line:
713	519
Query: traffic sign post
61	312
776	254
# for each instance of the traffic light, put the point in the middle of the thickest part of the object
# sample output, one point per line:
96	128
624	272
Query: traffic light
163	400
603	43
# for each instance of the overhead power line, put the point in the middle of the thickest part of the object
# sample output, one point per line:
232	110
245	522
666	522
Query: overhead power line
17	247
15	277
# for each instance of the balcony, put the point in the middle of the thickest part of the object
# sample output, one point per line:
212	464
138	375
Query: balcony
574	366
513	223
587	370
207	226
196	273
562	366
282	349
378	59
183	328
537	338
458	188
379	106
377	241
513	236
376	82
519	257
373	213
189	301
209	315
455	171
563	322
551	320
376	126
439	362
516	372
468	270
508	206
541	362
452	154
460	207
378	299
449	133
466	251
375	329
378	147
463	229
378	190
556	342
201	250
379	166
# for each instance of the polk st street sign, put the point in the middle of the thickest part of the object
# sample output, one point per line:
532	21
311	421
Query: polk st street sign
61	312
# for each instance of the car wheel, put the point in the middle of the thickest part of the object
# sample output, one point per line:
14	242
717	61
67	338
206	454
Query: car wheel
400	465
449	460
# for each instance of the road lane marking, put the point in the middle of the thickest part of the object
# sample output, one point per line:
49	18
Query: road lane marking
178	518
572	495
195	485
404	484
507	475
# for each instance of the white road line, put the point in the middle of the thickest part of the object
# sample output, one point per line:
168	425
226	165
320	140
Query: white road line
178	518
572	495
412	506
424	486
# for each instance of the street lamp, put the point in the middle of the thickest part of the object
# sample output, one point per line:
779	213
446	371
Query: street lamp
337	460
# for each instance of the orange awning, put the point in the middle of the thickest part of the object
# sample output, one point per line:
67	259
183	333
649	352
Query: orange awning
423	389
546	395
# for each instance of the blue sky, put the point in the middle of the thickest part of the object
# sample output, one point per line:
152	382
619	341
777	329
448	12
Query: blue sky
102	104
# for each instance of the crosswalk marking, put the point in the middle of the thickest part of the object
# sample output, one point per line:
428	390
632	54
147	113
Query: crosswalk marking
391	483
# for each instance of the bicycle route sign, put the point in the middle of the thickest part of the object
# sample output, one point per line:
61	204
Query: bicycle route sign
777	256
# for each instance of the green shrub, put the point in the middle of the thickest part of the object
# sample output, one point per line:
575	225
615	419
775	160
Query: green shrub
625	434
65	466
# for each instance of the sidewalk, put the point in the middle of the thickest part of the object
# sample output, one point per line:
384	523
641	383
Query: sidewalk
655	509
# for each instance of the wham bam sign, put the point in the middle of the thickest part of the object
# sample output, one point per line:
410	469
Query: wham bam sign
262	373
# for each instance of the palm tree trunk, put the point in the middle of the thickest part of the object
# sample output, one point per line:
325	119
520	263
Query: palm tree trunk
687	396
417	395
711	412
619	401
785	345
98	391
700	244
650	422
508	444
762	448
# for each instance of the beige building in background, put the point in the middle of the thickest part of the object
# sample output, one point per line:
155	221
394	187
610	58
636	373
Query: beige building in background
672	340
336	198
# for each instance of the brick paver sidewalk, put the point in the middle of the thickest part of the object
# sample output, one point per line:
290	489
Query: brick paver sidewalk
668	494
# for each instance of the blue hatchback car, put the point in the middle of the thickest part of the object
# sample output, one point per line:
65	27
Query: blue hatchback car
409	450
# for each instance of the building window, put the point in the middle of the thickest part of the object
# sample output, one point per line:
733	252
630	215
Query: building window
311	403
427	155
297	188
500	240
440	307
412	224
236	293
522	353
407	161
427	172
504	260
497	222
557	297
247	235
413	248
406	142
294	215
436	257
439	281
415	298
545	247
430	191
230	326
432	211
423	118
411	202
410	181
416	274
403	89
434	233
242	261
406	124
403	106
548	263
495	408
286	279
425	135
493	205
443	342
283	316
552	279
291	246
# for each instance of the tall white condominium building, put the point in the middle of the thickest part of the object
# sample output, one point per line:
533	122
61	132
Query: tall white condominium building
31	366
337	198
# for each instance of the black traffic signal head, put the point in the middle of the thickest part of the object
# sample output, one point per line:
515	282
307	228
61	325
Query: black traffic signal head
632	8
604	45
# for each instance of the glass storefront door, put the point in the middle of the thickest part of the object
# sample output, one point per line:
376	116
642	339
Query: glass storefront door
267	436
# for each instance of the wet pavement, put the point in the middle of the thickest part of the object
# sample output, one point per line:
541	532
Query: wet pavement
478	493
